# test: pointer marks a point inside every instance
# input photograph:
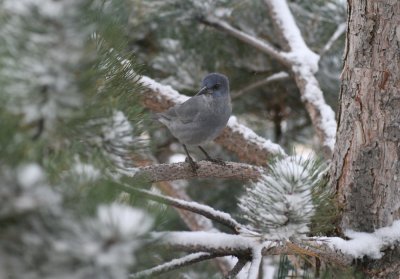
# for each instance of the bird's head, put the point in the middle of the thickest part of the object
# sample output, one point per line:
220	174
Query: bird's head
215	84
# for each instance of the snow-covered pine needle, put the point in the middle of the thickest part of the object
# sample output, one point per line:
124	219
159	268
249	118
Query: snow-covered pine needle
280	204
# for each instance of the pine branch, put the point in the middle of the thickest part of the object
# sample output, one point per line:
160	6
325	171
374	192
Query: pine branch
204	210
174	264
175	171
241	140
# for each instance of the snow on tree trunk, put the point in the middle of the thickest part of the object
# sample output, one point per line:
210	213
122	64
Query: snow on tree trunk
366	161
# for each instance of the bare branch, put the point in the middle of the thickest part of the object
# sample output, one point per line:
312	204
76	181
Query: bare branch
204	210
175	171
340	30
174	264
258	43
260	83
236	137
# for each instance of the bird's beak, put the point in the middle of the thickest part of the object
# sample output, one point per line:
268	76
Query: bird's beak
203	90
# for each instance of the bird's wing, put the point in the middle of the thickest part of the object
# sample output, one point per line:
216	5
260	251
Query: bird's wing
190	110
186	112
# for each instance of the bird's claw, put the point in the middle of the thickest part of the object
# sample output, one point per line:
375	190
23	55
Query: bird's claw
193	165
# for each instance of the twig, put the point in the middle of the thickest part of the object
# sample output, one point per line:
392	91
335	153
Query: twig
341	29
176	171
204	210
237	268
174	264
258	43
265	81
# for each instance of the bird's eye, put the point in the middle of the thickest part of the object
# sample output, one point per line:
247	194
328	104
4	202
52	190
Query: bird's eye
216	86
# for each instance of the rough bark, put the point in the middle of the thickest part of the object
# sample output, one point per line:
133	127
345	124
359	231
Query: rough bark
176	171
366	161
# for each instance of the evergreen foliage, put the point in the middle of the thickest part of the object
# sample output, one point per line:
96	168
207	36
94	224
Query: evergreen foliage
280	204
69	124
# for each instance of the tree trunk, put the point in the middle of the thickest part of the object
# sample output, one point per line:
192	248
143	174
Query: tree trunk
366	161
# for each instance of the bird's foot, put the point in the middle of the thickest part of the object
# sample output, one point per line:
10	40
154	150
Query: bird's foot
217	161
193	165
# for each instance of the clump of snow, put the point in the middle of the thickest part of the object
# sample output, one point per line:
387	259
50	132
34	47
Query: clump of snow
223	12
30	175
85	172
367	244
118	220
176	158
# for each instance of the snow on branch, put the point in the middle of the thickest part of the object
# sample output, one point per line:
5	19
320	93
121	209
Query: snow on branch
367	244
236	137
176	171
333	250
212	242
207	211
174	264
304	64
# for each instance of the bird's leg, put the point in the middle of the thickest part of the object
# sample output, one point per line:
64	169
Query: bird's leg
208	158
190	160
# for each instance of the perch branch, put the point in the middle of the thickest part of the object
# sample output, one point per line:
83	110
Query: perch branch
176	171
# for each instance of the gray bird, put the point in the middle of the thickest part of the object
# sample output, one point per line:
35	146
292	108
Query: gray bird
201	118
